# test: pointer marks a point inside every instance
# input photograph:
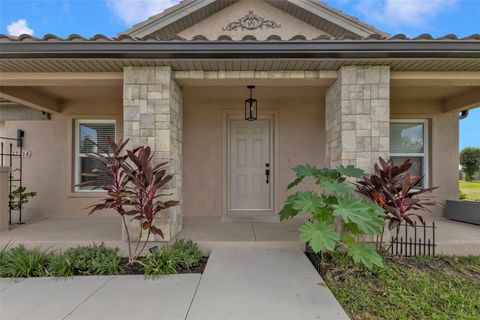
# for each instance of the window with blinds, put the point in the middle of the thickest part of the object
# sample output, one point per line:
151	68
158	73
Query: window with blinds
91	136
408	140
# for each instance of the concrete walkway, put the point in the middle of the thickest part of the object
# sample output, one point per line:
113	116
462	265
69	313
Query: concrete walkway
262	285
239	285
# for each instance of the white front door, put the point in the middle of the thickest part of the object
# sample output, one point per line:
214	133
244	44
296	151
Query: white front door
250	165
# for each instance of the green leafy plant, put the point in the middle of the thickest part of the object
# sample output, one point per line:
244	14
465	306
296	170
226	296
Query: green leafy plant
397	192
133	189
165	261
19	262
462	196
183	254
470	161
335	206
413	288
90	260
3	260
19	197
187	252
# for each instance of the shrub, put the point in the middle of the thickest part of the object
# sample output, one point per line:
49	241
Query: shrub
187	252
133	189
90	260
158	263
397	192
22	263
335	205
470	161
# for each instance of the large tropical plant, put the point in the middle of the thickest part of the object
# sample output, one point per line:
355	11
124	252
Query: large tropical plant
335	207
133	186
397	192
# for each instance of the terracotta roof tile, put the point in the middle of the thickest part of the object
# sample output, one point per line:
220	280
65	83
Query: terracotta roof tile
299	37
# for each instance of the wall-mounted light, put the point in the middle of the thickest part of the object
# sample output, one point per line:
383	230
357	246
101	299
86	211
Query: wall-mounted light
251	106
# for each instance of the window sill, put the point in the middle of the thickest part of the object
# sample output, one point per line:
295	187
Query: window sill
86	194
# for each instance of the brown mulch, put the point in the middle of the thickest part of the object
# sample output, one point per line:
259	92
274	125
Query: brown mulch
130	269
198	269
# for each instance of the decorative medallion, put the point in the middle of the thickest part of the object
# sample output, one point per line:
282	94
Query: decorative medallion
251	22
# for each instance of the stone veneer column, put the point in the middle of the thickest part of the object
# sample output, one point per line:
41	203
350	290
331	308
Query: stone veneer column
357	117
152	115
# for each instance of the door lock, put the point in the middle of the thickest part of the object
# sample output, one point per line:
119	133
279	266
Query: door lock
267	172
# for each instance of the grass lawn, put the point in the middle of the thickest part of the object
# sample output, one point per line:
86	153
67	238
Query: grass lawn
471	189
408	288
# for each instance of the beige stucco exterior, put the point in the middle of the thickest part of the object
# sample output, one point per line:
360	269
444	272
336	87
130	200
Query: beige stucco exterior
49	170
4	217
337	115
204	145
300	112
288	25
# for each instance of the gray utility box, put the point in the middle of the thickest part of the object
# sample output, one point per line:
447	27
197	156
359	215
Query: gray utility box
464	211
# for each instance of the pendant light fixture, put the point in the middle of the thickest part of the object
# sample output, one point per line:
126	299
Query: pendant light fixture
251	106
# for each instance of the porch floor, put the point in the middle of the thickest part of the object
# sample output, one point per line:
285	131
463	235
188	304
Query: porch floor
209	232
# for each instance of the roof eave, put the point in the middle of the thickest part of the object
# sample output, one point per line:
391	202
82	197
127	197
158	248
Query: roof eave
242	50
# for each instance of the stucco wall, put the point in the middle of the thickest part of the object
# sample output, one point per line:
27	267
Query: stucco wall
212	27
443	146
49	170
300	138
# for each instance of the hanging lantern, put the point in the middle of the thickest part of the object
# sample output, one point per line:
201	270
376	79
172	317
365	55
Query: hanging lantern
251	106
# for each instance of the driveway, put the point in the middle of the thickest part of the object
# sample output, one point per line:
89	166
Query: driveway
236	284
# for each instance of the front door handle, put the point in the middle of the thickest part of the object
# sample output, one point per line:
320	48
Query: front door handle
267	172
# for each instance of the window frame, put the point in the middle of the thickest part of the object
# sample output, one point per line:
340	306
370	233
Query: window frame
77	155
425	154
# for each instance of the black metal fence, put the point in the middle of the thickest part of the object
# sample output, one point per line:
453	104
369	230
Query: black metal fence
416	240
412	241
11	155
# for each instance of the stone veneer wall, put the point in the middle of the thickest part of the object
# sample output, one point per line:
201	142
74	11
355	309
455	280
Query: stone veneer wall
152	114
357	117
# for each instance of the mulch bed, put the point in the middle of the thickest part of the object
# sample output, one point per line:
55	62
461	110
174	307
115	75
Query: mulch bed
136	268
198	269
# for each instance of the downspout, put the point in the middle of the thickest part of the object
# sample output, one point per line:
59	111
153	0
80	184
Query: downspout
463	115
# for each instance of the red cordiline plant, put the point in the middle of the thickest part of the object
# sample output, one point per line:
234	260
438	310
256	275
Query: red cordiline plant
133	187
397	192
